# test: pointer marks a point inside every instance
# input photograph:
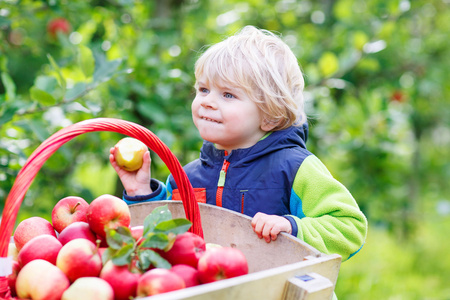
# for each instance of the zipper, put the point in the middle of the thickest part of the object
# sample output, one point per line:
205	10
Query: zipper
242	200
221	182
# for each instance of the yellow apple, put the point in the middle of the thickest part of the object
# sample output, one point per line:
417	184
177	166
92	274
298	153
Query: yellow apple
212	245
129	153
12	251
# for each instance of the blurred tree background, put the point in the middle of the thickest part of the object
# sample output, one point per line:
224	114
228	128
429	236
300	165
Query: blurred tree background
377	92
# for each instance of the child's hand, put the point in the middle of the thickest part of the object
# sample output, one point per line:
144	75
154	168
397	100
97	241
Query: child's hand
269	226
137	182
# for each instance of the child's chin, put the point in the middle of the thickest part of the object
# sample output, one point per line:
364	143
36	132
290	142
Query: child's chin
210	134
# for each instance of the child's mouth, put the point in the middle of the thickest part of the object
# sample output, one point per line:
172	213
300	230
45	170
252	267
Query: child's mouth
210	120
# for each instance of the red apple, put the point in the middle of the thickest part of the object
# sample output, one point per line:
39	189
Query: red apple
123	282
158	281
31	227
187	249
221	263
89	288
12	278
40	280
188	273
77	230
68	210
58	24
107	211
44	247
79	258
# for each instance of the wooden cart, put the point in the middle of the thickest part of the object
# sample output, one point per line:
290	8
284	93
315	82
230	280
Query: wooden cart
287	268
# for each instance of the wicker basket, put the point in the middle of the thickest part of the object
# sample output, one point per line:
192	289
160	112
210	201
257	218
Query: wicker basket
49	146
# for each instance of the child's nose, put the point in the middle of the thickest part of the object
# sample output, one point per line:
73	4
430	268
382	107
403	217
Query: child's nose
209	101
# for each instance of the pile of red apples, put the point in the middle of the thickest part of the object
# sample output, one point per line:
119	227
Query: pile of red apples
70	257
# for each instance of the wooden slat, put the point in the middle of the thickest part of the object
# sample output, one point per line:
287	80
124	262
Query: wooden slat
268	284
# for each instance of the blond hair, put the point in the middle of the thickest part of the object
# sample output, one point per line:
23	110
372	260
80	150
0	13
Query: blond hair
260	63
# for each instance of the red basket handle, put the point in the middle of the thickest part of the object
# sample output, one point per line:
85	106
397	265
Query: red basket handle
49	146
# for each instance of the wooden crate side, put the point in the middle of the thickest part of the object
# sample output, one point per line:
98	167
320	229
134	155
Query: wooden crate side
268	284
230	229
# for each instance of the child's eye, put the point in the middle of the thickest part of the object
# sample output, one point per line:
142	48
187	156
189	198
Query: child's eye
203	90
228	95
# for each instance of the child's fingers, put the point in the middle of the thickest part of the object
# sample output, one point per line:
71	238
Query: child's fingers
258	224
269	232
144	173
268	226
146	160
112	160
114	164
258	229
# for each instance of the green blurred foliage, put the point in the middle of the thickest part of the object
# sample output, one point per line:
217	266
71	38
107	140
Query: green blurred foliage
376	89
389	269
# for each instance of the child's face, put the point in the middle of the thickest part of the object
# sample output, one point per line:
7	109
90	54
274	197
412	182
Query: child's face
226	116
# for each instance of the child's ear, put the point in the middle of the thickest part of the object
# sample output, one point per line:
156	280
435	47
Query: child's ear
269	124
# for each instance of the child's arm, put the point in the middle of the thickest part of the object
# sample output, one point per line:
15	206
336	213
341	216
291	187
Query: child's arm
326	214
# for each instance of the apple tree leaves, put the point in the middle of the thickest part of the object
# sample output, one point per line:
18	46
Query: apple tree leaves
159	234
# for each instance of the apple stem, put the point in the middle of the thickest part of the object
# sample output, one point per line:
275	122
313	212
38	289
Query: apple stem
75	207
98	242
